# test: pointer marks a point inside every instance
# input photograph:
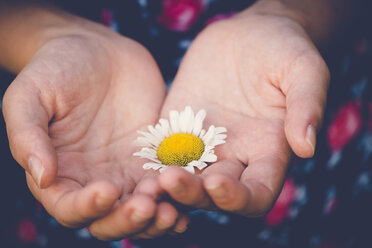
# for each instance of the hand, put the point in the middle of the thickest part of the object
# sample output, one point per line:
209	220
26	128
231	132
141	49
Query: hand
71	117
261	77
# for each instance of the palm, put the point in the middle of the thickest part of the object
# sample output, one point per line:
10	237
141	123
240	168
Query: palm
241	82
94	99
93	136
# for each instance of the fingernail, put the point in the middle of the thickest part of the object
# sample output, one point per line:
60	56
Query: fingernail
103	201
311	137
162	225
217	190
180	229
36	169
139	217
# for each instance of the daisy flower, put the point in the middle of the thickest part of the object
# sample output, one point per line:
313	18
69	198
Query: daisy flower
181	141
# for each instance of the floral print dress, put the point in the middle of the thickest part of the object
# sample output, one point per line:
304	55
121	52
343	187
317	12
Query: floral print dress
326	201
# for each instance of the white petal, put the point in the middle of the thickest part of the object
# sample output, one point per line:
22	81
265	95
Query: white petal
155	133
153	160
220	136
174	121
208	149
218	130
147	153
201	134
142	141
163	168
155	141
183	120
209	157
186	120
191	117
208	136
154	166
217	142
198	164
194	163
198	122
202	165
160	131
189	169
144	154
165	127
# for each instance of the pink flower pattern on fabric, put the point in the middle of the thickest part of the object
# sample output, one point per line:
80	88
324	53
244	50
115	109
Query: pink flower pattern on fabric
345	125
180	15
27	231
281	207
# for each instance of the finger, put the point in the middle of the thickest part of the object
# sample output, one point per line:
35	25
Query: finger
179	227
184	187
149	186
256	191
73	205
27	127
182	223
165	219
222	179
227	170
227	167
129	218
305	99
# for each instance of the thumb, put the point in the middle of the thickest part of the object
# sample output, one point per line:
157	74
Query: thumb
26	121
306	94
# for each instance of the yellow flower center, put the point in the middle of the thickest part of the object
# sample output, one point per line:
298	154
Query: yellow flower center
180	149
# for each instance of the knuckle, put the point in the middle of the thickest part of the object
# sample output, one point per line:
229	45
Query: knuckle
16	145
11	94
13	138
16	137
6	99
313	61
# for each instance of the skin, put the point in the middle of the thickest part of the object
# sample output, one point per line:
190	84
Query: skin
260	76
72	114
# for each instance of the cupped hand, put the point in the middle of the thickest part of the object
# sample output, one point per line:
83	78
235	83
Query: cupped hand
71	117
261	77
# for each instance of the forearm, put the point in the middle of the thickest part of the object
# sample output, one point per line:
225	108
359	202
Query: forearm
321	19
25	27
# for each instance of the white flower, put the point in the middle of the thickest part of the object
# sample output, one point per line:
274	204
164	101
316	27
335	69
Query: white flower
180	141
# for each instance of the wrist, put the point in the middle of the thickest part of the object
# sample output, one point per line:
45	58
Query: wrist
317	18
25	29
